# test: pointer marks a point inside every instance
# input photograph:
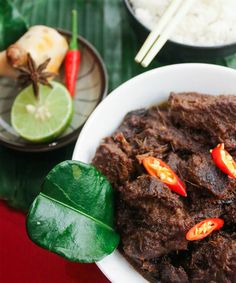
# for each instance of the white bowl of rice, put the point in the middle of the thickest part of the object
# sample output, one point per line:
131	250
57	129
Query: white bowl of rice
208	29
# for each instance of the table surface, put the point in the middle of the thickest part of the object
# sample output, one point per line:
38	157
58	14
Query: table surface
21	261
105	24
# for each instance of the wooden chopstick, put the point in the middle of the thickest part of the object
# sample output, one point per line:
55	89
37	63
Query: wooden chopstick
152	37
164	35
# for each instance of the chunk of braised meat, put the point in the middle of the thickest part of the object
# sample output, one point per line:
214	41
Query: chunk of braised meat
155	204
162	270
228	205
146	187
201	171
203	208
172	274
158	219
160	122
123	143
179	140
202	204
153	216
229	214
131	125
214	259
144	243
150	268
126	219
136	137
199	136
113	162
149	130
170	220
175	162
148	142
214	114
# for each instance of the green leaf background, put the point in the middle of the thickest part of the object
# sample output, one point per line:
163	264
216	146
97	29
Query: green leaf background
105	24
12	24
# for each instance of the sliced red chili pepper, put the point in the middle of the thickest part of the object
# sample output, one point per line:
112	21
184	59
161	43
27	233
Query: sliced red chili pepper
72	59
224	160
158	168
204	228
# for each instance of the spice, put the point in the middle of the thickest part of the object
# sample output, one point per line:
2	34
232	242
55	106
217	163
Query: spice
224	160
204	228
72	60
158	168
31	74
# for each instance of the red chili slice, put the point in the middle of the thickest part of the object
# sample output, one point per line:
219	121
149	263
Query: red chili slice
224	160
204	228
157	168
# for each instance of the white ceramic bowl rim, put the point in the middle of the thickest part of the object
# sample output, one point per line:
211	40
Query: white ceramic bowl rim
144	90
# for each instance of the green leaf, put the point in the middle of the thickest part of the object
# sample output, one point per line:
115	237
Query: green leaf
73	215
12	25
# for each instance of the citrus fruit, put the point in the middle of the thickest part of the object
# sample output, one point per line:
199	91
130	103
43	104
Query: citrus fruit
42	118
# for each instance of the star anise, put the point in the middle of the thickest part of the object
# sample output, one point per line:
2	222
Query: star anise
31	74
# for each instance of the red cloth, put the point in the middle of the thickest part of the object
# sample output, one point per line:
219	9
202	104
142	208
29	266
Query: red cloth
21	261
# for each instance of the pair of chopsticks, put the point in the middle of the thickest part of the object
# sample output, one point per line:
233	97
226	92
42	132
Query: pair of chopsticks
163	30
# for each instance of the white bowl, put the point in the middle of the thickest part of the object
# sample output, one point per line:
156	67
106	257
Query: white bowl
148	89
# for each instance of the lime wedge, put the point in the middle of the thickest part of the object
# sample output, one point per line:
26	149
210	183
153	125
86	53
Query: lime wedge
44	118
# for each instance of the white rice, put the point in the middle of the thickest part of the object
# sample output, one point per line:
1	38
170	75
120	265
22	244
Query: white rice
208	23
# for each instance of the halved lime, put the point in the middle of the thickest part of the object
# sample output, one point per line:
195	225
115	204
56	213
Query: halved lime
44	118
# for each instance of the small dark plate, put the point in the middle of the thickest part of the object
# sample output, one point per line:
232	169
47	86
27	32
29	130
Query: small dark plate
91	88
174	50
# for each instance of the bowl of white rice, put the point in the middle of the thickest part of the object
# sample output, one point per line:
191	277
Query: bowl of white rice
207	31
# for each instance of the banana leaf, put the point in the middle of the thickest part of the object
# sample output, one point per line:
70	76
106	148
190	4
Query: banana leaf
12	24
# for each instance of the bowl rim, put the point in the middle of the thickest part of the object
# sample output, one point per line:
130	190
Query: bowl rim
179	44
56	144
113	95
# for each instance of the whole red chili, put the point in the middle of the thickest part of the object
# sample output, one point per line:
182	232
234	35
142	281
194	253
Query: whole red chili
204	228
158	168
224	160
72	60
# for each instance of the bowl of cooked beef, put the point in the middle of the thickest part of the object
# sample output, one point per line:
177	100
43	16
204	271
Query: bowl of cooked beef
184	118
